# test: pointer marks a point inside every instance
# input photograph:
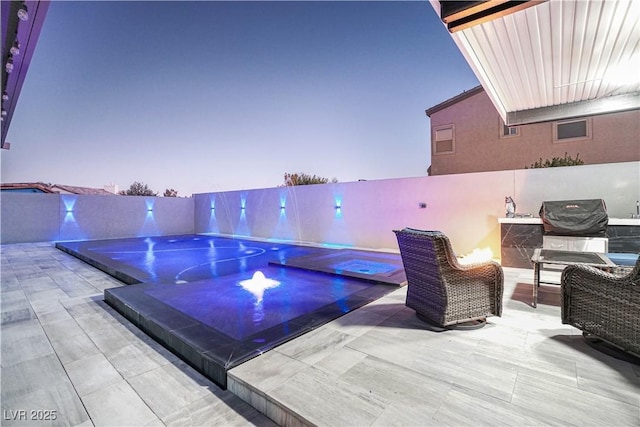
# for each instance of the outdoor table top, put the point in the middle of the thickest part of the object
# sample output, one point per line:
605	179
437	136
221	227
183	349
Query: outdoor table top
551	256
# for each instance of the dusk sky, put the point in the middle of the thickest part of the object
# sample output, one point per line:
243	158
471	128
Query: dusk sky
213	96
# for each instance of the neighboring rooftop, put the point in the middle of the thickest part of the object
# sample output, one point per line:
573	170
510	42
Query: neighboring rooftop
41	187
454	100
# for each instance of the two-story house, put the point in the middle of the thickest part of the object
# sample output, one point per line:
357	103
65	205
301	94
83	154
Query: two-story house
468	135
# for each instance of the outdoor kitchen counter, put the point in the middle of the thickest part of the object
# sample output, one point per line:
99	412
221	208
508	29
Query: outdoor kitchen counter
521	236
612	221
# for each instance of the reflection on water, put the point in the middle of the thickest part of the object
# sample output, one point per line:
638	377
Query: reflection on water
150	258
256	286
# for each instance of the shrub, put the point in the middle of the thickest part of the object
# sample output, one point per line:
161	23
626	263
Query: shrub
557	161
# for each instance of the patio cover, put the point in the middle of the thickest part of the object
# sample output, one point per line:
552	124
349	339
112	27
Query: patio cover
27	33
550	60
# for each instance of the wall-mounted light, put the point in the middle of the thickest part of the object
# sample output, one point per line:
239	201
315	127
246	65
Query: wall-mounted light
422	205
4	112
5	95
15	49
69	204
23	12
338	206
282	207
9	67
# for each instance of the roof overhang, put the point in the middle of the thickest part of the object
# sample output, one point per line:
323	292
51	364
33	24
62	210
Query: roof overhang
27	33
551	60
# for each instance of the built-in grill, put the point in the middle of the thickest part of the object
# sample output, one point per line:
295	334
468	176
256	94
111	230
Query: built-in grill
575	225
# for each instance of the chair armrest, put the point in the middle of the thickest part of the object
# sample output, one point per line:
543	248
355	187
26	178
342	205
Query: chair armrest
476	265
585	272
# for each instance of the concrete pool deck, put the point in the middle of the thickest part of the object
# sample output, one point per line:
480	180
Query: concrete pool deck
65	350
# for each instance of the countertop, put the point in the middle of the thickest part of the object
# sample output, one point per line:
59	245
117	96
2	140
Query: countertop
612	221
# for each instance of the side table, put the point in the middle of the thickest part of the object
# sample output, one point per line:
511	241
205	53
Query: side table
550	256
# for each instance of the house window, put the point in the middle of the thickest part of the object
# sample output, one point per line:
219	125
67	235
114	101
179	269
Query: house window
571	130
444	139
508	131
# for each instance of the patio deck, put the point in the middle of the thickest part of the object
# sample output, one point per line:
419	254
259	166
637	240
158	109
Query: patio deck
65	350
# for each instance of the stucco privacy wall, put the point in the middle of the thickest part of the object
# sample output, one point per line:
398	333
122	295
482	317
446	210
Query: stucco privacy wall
53	217
618	184
369	210
464	206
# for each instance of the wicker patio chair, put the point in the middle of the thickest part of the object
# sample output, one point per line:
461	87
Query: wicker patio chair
441	291
605	306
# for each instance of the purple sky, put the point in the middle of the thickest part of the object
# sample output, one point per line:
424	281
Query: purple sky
211	96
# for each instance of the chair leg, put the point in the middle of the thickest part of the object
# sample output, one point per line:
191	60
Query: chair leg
466	326
609	349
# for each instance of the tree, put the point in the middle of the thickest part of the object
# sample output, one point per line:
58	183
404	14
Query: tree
305	179
170	193
138	189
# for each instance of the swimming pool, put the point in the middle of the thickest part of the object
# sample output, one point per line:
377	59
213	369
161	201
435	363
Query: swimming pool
179	259
217	302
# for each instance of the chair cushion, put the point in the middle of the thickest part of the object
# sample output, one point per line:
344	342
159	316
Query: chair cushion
423	232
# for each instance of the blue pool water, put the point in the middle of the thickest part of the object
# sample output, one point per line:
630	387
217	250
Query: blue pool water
180	259
242	312
217	302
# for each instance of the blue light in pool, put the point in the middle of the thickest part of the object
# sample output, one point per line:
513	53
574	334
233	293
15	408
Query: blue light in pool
150	258
338	287
256	286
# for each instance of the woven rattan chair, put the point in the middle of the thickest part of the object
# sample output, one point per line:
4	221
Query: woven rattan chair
605	306
441	291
